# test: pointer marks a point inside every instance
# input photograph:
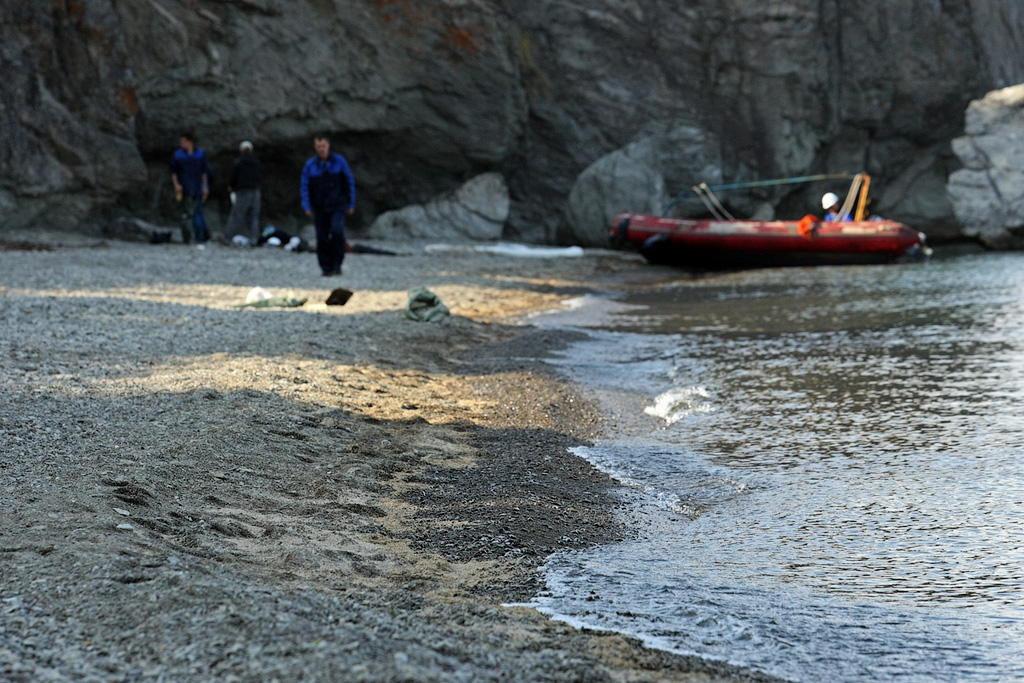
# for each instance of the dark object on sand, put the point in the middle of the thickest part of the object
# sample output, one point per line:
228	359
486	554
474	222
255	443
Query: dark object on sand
339	297
24	245
160	237
363	249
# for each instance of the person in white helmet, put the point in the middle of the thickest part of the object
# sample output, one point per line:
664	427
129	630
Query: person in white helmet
833	213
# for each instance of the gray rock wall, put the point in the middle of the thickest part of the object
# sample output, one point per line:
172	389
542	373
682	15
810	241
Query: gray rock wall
421	96
67	101
788	88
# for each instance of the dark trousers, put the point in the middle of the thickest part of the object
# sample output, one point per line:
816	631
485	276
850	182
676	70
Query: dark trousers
245	216
192	217
330	239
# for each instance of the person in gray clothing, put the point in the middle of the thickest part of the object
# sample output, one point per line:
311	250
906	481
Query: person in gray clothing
244	185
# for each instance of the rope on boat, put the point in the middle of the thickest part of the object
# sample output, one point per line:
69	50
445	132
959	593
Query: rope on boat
859	186
781	181
858	194
712	203
707	203
747	185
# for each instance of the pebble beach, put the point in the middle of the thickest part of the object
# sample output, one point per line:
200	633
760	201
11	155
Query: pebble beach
195	490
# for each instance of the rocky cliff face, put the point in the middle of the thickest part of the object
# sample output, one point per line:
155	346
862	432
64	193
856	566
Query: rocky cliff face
422	95
416	94
778	89
67	107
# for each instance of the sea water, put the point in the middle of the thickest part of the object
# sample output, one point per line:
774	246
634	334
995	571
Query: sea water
825	470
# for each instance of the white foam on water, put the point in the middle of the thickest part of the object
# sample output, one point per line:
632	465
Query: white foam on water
676	404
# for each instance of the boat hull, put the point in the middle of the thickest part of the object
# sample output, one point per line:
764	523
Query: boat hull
710	244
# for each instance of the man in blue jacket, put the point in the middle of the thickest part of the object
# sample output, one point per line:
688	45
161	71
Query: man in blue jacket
190	173
328	195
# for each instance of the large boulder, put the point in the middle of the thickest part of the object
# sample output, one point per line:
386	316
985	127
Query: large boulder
477	210
628	179
634	179
988	193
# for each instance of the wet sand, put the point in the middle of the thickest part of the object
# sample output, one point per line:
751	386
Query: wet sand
190	490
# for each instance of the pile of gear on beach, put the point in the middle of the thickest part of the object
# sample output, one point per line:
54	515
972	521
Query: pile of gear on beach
272	237
423	305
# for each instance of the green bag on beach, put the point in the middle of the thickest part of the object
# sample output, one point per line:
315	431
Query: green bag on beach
425	306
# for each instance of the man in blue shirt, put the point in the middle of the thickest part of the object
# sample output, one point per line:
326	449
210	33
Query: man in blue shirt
328	195
190	173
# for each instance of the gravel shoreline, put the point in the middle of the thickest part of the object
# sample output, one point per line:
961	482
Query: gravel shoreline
196	491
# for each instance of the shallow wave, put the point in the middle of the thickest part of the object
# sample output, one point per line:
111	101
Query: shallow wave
833	487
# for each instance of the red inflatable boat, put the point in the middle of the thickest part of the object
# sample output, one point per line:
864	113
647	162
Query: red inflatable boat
745	243
731	243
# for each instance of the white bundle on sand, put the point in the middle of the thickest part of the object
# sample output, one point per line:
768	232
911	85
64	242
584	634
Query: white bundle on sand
257	294
511	249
